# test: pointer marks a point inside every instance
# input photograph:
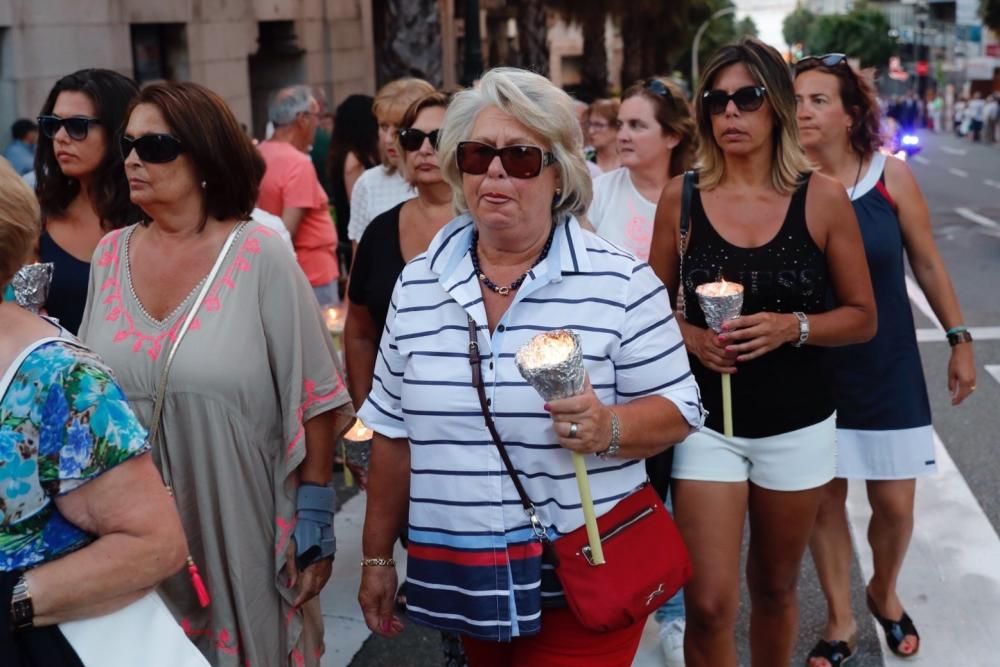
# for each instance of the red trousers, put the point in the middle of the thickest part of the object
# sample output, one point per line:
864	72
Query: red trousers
563	642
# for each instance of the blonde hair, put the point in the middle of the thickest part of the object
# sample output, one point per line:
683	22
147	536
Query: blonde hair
541	107
20	222
768	69
391	102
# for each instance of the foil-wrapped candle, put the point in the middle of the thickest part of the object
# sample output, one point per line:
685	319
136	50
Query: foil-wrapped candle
552	363
31	285
357	444
334	320
721	302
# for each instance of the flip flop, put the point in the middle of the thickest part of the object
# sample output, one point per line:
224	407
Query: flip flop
836	653
895	631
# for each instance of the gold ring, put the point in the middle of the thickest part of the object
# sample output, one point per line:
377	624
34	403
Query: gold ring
972	388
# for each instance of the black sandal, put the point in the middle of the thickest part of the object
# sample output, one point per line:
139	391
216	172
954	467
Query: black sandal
895	631
836	653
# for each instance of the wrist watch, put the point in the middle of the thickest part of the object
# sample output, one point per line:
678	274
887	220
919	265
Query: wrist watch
616	439
803	329
22	612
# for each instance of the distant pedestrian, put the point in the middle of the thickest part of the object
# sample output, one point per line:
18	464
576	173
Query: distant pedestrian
291	189
602	132
884	433
380	188
21	150
991	118
975	114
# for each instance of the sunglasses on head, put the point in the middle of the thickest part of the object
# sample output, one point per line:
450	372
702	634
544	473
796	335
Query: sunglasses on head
152	148
411	139
76	126
748	98
660	89
474	158
829	60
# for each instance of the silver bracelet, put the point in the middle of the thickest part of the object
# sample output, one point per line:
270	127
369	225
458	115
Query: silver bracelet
616	439
378	562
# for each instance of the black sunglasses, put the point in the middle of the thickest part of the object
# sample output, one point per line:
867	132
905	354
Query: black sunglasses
152	148
748	98
660	89
474	158
76	126
411	139
829	60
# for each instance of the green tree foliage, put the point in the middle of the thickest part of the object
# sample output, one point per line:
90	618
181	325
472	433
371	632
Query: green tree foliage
989	11
861	34
796	26
747	28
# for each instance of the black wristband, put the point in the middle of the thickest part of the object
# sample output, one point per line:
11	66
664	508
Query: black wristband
959	337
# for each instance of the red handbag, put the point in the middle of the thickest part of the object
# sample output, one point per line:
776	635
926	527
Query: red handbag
646	561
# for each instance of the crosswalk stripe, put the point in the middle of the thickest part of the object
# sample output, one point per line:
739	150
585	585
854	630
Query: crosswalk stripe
959	172
972	216
938	336
993	370
921	159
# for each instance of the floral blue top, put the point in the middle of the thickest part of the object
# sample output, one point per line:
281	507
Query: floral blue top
63	421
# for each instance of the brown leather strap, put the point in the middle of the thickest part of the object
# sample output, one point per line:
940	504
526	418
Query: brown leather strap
477	381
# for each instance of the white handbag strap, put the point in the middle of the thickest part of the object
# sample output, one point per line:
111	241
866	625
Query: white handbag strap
161	390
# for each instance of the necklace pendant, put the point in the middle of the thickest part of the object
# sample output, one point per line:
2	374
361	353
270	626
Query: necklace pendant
503	291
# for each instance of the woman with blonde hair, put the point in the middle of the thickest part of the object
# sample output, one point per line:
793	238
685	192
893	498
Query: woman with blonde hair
759	218
383	186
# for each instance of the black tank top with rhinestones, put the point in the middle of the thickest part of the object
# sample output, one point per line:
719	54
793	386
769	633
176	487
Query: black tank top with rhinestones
787	388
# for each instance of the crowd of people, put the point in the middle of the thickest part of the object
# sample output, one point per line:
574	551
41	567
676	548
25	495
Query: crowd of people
455	226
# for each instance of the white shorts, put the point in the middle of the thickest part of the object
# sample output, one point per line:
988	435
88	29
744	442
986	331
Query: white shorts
793	461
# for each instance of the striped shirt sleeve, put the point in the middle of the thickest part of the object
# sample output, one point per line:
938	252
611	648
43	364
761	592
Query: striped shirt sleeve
652	360
382	411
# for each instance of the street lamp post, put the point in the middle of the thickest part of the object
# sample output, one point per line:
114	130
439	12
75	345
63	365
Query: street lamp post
697	43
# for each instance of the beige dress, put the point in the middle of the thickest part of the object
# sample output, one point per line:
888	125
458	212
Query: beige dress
256	364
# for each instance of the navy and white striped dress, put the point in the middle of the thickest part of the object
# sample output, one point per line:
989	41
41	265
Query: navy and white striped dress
473	564
883	415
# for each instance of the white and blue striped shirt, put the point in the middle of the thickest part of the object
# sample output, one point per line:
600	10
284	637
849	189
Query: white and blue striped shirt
473	565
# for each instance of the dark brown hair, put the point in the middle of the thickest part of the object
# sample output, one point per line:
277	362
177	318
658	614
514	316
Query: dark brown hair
109	194
674	117
224	158
857	95
434	99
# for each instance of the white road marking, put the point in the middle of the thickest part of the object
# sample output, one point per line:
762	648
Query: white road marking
937	335
954	151
993	370
972	216
920	301
950	584
959	172
921	159
992	183
345	626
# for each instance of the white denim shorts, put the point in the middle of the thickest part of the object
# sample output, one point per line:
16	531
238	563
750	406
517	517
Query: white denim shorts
795	461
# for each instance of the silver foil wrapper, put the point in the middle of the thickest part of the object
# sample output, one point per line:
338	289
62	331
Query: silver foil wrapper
556	381
719	309
31	285
358	452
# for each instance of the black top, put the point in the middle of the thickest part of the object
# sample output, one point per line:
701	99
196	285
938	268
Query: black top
68	290
377	265
787	388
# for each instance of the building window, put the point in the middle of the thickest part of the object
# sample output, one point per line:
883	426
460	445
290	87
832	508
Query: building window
159	52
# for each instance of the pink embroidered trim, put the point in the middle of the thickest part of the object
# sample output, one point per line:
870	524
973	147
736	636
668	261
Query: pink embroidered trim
115	286
311	398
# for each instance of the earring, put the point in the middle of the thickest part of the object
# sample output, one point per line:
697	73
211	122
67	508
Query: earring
555	198
203	184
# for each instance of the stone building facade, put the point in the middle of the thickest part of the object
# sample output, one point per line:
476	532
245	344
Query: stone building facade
242	49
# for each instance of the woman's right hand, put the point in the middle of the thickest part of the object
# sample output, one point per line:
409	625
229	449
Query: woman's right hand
377	597
704	344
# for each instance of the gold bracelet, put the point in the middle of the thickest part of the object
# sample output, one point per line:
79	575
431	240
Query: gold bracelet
378	562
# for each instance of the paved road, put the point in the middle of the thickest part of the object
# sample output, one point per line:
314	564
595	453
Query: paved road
951	583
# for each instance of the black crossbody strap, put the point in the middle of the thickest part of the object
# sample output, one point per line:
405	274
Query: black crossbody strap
475	361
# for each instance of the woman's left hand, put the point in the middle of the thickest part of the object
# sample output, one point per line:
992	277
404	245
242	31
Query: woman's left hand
752	336
309	581
961	373
592	419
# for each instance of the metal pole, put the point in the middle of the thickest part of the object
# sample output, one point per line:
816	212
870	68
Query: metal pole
697	43
472	66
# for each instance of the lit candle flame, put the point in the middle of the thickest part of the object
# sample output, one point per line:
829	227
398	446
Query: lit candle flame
333	319
721	288
359	432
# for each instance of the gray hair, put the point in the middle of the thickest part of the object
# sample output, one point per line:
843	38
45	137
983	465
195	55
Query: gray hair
288	103
541	107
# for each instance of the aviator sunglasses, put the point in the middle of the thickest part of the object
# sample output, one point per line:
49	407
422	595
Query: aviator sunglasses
411	139
152	148
76	126
474	158
748	98
829	60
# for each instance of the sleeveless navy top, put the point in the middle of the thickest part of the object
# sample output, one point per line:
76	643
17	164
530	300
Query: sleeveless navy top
68	290
788	388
